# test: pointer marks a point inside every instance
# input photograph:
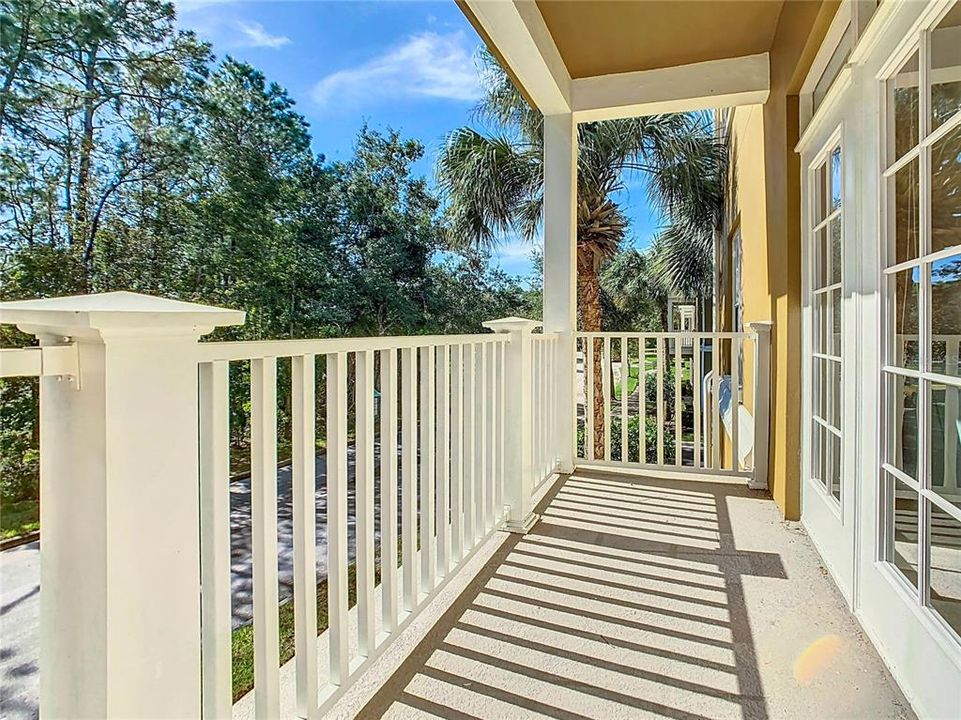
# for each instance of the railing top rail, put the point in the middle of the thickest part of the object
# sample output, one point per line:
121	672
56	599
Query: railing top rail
20	362
545	336
52	360
254	349
672	335
904	337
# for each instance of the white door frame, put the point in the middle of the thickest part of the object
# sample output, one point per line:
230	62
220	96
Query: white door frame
830	521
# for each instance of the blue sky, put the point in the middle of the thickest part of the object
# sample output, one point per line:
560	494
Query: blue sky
402	64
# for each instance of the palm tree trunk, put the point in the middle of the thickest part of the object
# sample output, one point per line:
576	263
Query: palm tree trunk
589	299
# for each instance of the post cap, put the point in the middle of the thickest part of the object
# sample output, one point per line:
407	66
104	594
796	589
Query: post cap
116	313
761	326
512	324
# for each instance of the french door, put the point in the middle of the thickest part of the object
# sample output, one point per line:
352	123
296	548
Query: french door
829	322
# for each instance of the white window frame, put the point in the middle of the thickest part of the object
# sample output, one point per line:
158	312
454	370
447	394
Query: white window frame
813	225
921	487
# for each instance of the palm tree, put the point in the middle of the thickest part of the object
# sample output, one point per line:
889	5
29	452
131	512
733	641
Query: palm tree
635	291
494	186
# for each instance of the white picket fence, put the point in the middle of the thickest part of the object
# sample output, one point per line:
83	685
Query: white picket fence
135	413
697	409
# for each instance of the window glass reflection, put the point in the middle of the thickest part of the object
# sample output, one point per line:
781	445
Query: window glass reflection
946	191
903	318
946	567
945	64
907	236
904	99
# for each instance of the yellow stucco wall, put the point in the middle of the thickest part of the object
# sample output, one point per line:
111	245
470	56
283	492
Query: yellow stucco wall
764	203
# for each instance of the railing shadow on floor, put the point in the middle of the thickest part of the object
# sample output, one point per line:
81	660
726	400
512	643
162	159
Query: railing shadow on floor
588	618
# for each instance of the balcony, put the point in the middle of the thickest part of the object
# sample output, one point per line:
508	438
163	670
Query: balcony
521	582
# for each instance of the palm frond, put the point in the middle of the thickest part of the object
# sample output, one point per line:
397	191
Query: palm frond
486	180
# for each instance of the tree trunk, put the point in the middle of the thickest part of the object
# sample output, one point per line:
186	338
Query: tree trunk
589	299
84	170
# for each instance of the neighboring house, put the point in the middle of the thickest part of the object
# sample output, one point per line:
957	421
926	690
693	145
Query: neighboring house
649	588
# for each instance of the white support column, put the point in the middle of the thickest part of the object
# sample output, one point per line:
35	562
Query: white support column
119	484
518	447
762	403
560	273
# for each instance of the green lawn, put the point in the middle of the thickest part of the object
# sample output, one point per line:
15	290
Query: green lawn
19	518
633	378
243	637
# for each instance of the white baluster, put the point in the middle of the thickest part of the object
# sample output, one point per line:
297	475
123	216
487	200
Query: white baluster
442	448
336	518
263	495
428	548
364	494
409	472
388	489
304	481
457	452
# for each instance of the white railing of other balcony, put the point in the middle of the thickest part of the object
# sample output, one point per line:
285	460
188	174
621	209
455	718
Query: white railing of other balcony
643	401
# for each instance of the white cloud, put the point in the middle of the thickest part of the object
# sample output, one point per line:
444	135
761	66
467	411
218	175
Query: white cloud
516	248
256	36
425	65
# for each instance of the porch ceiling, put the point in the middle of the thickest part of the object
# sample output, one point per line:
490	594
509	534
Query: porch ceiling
602	59
603	37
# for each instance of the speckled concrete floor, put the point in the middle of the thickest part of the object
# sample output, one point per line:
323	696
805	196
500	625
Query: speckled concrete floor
639	598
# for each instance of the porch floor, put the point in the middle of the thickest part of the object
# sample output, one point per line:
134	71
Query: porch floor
636	597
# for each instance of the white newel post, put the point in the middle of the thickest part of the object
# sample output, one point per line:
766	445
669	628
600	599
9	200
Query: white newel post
518	445
560	274
762	403
120	559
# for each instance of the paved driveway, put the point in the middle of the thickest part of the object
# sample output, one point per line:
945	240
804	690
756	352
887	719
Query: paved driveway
19	631
20	582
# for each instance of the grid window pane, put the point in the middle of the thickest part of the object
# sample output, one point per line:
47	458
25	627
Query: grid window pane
818	459
945	61
836	179
821	278
903	535
903	320
946	191
945	315
827	401
821	325
944	445
834	236
902	442
904	100
822	194
945	539
907	236
835	339
834	455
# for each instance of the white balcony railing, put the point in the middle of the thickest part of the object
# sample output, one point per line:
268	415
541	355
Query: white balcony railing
676	401
439	440
135	498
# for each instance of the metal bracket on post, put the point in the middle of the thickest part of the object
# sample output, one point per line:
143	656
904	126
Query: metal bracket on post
62	362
